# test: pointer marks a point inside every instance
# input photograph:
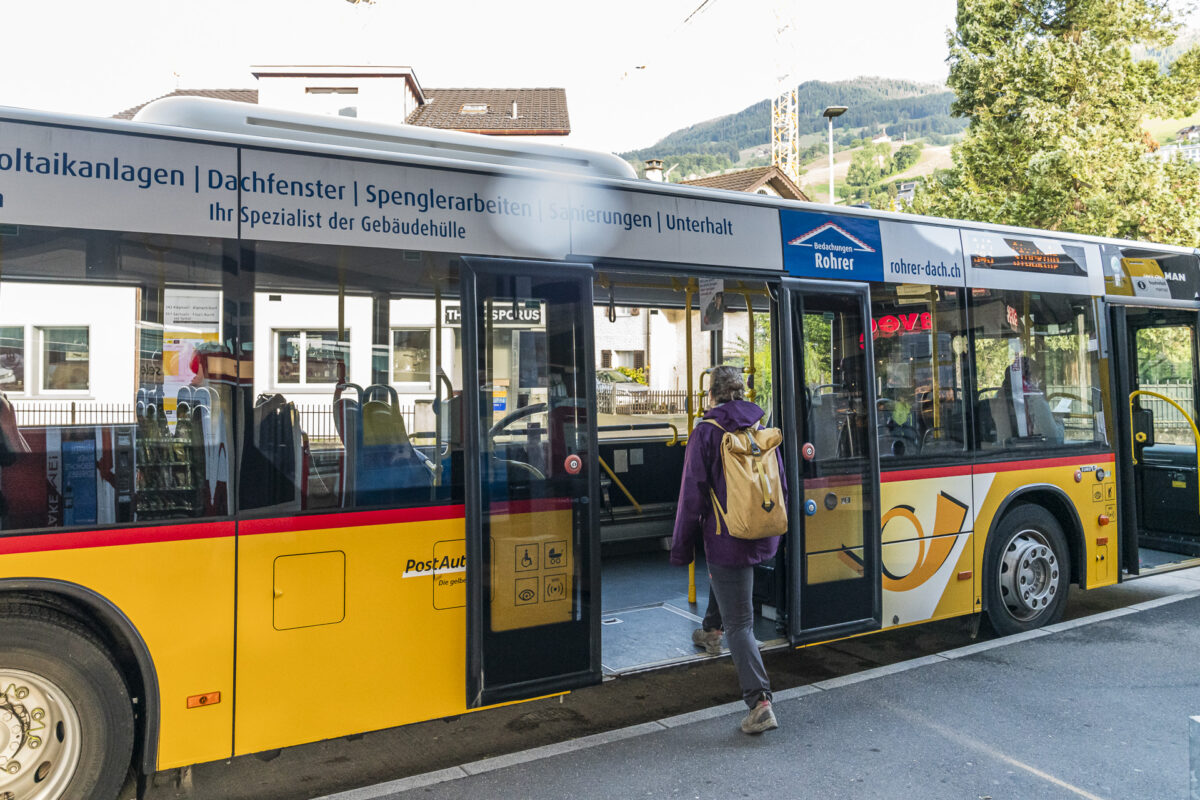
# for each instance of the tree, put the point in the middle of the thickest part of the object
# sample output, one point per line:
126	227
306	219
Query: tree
905	157
1056	105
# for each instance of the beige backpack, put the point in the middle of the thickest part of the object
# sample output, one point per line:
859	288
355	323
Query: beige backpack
754	503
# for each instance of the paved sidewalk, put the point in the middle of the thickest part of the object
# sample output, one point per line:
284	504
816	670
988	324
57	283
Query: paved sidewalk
1095	707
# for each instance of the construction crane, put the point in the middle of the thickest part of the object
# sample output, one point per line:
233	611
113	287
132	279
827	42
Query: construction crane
785	122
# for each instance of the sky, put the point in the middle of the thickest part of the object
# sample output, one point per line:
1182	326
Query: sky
634	70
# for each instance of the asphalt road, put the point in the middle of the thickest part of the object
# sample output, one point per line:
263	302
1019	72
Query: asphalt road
309	771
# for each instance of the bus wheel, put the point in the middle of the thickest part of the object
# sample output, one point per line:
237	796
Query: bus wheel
66	720
1026	573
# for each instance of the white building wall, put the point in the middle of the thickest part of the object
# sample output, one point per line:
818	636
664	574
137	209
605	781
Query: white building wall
381	99
109	313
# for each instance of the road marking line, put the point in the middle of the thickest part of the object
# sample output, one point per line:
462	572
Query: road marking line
983	747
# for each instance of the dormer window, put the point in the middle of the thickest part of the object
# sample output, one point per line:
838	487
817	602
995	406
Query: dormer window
474	108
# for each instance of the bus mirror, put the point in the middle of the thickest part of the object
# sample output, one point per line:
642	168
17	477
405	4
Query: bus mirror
1142	420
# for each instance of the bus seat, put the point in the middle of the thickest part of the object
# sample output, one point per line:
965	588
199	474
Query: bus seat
823	424
1001	418
1044	421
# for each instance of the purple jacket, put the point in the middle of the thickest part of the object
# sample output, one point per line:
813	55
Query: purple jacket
702	469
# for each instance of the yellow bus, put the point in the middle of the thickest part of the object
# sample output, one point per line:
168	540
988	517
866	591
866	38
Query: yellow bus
311	426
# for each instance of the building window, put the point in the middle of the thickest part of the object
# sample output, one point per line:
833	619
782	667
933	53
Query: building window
411	356
311	357
12	359
331	90
630	359
606	360
474	108
65	359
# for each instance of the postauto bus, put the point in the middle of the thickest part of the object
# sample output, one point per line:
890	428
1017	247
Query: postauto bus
301	435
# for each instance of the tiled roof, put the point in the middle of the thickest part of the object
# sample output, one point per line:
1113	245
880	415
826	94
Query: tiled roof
241	95
538	111
750	180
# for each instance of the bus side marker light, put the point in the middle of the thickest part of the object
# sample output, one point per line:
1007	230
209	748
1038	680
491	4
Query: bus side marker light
1101	541
1104	519
965	575
201	700
1078	476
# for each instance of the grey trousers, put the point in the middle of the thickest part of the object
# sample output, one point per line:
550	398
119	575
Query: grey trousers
731	606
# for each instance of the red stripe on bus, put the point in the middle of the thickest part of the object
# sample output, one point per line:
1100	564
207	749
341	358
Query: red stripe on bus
113	537
998	466
350	519
923	474
530	506
1077	462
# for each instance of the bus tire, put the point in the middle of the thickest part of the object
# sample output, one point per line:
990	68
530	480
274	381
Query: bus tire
1026	571
66	719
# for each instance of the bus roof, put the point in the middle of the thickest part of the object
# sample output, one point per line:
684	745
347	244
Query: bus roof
208	114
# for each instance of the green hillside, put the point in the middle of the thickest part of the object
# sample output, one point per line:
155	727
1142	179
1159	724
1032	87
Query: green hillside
904	107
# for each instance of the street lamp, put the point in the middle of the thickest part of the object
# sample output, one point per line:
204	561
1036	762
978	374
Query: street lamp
830	113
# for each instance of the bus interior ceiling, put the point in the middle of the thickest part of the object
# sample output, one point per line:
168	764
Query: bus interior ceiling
647	366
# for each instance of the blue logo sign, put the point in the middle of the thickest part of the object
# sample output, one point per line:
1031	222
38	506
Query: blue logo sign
824	246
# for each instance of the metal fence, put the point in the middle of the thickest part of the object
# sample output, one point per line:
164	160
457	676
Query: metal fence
649	402
317	420
1167	419
43	415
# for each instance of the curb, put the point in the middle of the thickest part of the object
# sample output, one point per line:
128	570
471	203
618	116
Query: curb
547	751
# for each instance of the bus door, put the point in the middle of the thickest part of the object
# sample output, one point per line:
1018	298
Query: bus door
1155	356
532	529
833	467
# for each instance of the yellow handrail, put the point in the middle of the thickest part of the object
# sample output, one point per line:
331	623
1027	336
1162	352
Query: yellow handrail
1179	408
636	506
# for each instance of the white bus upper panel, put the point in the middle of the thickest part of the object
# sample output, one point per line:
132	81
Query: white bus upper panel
310	178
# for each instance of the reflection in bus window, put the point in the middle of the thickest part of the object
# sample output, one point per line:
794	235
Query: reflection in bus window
834	374
1037	370
109	408
921	370
347	408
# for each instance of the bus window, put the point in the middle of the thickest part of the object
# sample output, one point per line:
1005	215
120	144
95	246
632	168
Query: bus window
356	387
113	405
1164	366
1037	370
920	370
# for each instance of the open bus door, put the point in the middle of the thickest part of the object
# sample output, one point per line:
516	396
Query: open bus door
1154	363
835	584
532	545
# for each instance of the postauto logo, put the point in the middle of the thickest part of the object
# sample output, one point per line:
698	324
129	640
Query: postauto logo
826	246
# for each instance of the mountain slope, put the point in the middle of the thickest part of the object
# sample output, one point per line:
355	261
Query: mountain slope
904	107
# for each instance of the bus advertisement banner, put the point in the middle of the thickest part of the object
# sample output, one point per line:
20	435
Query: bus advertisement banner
831	246
106	181
1027	262
1140	272
927	254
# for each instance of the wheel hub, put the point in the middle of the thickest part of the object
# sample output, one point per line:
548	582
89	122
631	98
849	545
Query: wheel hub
39	737
1029	575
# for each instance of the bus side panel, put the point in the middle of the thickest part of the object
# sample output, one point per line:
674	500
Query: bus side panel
927	547
179	597
349	627
1090	497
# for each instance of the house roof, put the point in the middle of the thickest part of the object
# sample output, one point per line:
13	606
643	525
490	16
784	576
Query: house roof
240	95
751	180
539	111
